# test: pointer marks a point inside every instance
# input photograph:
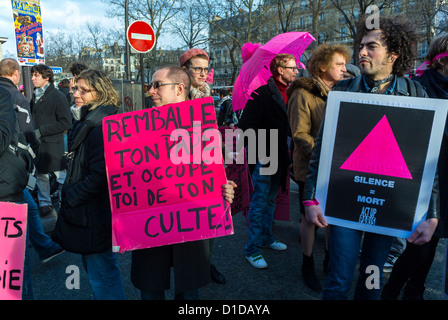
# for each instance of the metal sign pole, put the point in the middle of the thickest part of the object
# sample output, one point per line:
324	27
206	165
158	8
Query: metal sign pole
27	83
142	77
128	51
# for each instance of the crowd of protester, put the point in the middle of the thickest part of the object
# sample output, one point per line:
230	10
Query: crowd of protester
63	128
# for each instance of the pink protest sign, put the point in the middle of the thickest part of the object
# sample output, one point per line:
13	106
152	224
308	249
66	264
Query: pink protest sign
165	171
12	249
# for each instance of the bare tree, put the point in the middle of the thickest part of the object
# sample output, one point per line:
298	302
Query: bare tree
425	14
95	41
62	49
156	12
289	10
286	10
236	22
191	25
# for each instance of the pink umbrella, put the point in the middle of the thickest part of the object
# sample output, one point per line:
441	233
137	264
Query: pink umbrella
255	71
209	79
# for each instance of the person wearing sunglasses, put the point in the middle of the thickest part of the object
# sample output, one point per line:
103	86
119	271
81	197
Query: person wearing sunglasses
151	267
196	63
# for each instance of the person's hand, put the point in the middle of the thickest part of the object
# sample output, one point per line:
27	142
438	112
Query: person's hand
227	190
314	215
424	231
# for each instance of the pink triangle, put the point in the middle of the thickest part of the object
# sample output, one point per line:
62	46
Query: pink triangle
379	153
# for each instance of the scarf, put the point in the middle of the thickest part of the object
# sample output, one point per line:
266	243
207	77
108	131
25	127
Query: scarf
430	80
76	112
425	65
372	86
39	92
201	92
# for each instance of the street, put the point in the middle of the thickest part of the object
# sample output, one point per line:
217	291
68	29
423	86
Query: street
282	279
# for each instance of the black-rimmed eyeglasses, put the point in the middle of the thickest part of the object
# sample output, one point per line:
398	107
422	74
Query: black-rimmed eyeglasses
158	84
81	91
292	68
199	70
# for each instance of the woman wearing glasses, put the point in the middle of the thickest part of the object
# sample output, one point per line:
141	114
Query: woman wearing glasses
84	222
195	62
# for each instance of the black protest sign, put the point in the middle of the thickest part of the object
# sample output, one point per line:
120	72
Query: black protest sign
380	155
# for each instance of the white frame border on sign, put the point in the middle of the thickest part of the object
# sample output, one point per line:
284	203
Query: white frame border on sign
440	107
127	37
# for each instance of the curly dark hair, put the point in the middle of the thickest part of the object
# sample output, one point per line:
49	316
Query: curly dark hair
400	37
77	68
44	70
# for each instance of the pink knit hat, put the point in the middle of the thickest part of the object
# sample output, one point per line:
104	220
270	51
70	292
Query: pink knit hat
187	55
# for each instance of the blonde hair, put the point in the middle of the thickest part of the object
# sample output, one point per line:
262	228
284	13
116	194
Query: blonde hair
322	56
101	84
8	67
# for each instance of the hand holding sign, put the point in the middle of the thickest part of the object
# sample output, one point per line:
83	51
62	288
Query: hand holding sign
378	162
314	215
166	175
424	231
228	191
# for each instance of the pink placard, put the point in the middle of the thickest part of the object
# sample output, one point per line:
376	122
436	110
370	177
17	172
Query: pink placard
165	171
13	225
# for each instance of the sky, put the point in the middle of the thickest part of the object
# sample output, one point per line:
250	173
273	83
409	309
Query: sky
62	14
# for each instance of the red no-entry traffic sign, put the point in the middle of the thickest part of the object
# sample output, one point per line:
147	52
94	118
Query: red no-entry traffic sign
141	36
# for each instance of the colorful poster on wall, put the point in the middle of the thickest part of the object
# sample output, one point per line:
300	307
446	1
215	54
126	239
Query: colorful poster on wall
165	170
378	160
13	224
29	34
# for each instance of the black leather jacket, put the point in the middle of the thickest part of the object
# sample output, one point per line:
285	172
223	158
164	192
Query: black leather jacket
356	85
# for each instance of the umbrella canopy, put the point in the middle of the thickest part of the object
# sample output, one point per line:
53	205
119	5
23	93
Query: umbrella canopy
255	71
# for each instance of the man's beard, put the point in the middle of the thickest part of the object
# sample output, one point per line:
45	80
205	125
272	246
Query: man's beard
373	71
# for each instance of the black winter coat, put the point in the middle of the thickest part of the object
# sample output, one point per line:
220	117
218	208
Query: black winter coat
13	174
436	92
84	222
23	114
151	268
51	116
267	111
225	116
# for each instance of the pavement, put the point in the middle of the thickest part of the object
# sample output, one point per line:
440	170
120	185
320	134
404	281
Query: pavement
282	279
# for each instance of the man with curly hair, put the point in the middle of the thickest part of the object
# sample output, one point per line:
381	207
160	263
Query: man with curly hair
385	55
